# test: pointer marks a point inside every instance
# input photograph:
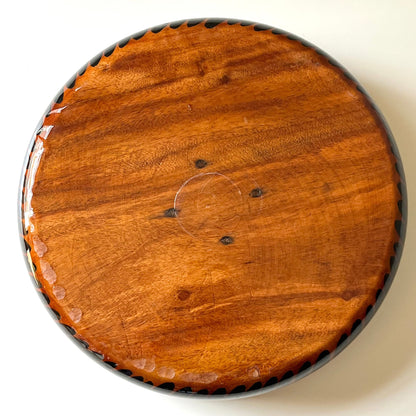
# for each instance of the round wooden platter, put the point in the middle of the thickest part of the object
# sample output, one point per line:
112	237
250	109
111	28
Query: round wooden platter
213	207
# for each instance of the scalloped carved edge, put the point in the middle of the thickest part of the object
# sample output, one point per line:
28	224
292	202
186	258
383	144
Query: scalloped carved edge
307	367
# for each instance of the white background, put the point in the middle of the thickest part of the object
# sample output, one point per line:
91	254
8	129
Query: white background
43	44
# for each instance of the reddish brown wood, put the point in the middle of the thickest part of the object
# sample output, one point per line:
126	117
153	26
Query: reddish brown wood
211	207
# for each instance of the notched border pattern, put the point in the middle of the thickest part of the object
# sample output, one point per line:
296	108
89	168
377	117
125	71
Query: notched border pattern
346	338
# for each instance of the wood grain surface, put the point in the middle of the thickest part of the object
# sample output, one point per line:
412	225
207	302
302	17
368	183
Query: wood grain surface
212	207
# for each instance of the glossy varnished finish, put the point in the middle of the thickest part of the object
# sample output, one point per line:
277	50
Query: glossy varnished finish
212	207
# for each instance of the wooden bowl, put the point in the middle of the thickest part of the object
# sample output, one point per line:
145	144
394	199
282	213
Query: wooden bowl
213	207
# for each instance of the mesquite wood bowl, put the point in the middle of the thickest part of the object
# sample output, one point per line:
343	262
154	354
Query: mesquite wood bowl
212	207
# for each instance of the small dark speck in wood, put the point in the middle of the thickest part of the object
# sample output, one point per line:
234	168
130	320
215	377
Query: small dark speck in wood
171	213
256	193
225	79
226	240
201	163
183	294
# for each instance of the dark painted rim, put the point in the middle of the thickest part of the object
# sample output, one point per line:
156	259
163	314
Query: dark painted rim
307	367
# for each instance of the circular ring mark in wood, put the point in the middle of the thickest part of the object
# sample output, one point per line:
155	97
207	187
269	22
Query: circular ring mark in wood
209	205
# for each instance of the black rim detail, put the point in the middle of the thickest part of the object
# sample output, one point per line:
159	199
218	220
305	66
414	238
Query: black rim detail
108	52
139	35
355	325
71	83
175	25
238	389
123	42
322	355
167	386
27	246
82	70
287	376
157	29
97	354
220	391
57	315
83	343
194	22
305	366
46	297
69	329
342	339
186	390
95	61
270	381
60	98
210	23
259	27
232	21
255	386
111	364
